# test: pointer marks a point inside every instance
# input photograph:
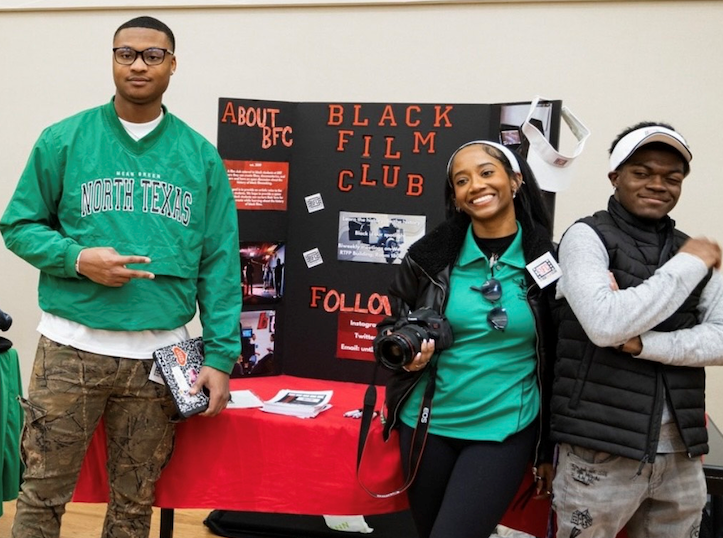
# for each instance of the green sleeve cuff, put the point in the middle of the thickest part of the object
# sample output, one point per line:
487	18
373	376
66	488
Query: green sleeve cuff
219	362
71	255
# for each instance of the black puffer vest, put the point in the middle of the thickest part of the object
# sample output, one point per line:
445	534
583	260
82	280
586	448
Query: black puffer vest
604	399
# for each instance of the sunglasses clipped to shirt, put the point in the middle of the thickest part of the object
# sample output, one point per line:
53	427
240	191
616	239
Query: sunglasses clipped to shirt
491	289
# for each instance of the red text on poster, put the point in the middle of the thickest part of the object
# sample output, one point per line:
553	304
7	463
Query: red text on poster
259	185
355	335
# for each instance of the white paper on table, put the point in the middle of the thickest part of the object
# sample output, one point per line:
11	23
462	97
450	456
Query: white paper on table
244	399
348	524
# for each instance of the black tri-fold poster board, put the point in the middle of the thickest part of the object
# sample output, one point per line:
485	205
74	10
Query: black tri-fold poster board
330	196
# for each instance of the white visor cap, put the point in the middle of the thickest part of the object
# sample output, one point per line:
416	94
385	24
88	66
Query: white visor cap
552	169
634	140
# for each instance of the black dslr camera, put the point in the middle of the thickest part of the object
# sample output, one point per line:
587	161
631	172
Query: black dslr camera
399	348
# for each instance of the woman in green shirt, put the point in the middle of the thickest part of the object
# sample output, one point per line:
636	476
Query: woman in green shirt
486	418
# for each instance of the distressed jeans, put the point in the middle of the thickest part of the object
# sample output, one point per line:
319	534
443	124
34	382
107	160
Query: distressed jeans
596	494
69	391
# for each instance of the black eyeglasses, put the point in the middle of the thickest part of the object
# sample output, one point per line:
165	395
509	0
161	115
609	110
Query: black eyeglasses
152	56
491	290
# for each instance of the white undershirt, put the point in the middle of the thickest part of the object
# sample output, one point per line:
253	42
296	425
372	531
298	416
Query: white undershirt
138	130
126	344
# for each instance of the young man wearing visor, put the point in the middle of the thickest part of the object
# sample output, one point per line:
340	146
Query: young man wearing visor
640	314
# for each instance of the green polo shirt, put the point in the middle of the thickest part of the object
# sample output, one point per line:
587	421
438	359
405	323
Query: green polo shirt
486	382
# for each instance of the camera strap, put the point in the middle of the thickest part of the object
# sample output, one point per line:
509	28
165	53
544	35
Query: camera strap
419	438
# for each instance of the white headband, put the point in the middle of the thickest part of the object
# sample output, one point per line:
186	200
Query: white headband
645	135
505	151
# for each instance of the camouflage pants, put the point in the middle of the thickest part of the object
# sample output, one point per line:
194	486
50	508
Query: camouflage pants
70	390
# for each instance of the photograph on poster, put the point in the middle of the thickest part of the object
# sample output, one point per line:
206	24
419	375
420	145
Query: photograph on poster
377	237
258	331
512	117
262	271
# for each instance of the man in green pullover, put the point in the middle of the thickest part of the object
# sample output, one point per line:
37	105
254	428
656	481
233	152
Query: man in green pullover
128	214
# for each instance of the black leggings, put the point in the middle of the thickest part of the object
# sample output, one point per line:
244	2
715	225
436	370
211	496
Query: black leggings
463	488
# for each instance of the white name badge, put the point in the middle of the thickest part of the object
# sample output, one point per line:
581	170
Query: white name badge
544	270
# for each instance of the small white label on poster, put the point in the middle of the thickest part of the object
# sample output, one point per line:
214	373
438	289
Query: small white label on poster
313	258
314	203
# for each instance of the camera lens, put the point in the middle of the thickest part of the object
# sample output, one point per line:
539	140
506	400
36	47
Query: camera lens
399	348
394	352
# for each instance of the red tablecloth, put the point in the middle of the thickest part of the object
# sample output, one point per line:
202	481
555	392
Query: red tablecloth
248	460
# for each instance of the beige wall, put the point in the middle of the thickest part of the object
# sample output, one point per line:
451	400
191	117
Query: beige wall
612	63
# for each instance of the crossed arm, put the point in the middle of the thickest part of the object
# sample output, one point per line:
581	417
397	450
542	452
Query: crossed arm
612	317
